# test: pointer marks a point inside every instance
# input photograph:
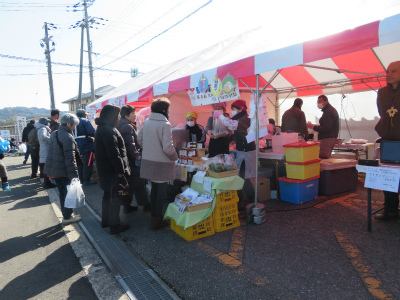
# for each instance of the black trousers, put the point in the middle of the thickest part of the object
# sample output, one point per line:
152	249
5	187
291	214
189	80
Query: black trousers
85	169
42	175
109	210
158	198
391	202
35	159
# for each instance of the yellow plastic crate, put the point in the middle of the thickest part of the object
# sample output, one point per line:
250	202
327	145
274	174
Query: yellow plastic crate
226	197
197	231
301	151
226	217
303	171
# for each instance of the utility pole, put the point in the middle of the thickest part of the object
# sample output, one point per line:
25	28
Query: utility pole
89	51
46	40
79	104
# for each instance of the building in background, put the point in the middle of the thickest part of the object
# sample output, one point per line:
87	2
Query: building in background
86	98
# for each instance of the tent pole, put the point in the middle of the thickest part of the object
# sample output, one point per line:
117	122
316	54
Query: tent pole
257	139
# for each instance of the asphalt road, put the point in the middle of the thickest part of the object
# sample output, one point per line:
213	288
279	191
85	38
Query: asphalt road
36	259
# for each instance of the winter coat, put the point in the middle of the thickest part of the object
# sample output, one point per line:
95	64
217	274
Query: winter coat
294	119
132	146
388	128
83	134
43	132
328	124
198	131
111	158
54	125
26	131
61	161
159	154
241	132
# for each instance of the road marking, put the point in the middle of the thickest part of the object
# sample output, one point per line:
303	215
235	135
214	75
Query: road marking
238	241
339	200
223	258
368	276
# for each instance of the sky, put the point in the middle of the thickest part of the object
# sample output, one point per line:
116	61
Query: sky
137	26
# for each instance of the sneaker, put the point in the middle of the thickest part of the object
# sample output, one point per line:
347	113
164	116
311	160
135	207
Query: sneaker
384	216
34	176
73	219
6	186
119	229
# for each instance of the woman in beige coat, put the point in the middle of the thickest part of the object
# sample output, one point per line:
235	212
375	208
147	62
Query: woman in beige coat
158	157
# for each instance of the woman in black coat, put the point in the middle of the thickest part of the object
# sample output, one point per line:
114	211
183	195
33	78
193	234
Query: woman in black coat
112	164
127	128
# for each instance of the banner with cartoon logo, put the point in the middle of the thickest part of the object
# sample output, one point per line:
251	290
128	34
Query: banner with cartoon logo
215	91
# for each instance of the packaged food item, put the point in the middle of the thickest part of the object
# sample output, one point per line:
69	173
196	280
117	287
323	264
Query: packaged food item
192	153
222	163
192	145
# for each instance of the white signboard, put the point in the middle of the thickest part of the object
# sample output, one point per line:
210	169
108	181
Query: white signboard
5	134
91	113
386	179
20	125
201	96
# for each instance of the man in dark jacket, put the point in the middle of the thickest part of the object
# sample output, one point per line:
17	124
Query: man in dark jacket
388	128
328	128
61	162
54	116
84	135
25	132
294	119
34	148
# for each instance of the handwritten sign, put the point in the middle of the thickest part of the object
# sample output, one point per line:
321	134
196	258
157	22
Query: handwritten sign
207	184
386	179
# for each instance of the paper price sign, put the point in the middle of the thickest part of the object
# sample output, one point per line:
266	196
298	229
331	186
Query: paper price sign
181	208
207	184
383	179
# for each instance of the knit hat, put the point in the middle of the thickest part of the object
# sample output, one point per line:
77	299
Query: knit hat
44	121
241	104
220	104
192	114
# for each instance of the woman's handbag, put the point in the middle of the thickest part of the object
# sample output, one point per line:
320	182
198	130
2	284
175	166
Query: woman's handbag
121	192
75	197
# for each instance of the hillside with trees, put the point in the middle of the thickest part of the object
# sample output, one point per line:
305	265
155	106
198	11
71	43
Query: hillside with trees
9	114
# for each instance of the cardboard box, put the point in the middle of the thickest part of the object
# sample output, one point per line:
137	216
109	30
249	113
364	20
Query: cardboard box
264	188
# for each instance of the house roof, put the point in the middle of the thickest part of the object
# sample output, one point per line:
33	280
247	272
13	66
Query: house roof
99	92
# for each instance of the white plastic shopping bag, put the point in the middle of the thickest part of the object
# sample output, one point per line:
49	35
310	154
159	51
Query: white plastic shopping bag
75	197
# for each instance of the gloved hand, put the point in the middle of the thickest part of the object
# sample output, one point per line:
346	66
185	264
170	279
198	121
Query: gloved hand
217	114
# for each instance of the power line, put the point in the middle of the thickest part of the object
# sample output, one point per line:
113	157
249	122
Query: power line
55	63
177	23
179	4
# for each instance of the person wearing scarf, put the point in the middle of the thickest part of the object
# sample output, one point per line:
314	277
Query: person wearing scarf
246	152
196	131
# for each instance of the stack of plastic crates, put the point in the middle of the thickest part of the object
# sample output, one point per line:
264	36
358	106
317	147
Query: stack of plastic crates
226	214
199	230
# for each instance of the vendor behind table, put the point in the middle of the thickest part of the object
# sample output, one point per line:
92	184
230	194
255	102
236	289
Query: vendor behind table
246	152
328	128
294	120
196	131
220	135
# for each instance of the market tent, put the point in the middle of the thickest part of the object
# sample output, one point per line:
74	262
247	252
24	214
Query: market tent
351	61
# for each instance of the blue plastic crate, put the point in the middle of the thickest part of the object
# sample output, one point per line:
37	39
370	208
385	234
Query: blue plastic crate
298	191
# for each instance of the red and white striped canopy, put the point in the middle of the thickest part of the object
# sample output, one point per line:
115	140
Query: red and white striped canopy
351	61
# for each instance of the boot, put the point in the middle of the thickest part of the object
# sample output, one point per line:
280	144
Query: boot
385	216
129	208
158	223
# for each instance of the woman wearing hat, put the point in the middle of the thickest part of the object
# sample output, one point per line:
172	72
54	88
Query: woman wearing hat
220	136
246	152
197	132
